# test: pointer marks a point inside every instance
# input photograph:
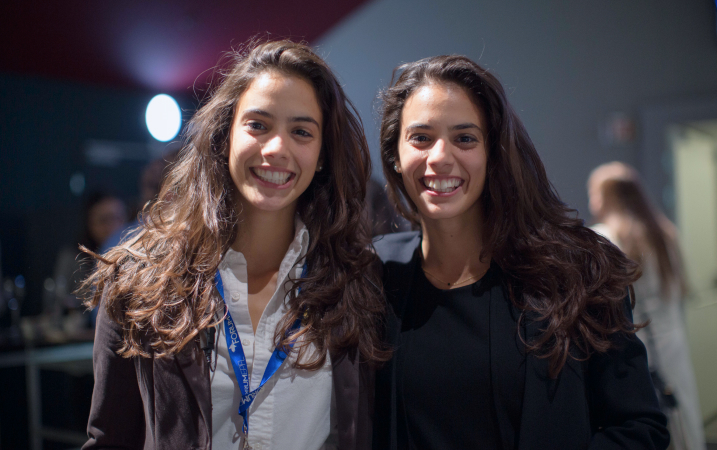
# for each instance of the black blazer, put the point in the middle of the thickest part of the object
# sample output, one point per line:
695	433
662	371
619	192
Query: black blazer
606	402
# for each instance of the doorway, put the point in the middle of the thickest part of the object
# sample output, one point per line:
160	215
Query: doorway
693	201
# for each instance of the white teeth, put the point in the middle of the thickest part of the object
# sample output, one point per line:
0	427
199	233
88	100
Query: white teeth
444	185
272	176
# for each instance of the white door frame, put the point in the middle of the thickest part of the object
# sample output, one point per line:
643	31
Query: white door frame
654	157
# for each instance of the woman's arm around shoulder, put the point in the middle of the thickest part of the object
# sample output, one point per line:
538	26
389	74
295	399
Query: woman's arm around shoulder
624	410
117	414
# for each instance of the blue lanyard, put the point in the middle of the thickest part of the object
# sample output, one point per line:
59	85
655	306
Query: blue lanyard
236	355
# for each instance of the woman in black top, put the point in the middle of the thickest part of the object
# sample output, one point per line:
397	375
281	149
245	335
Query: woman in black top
509	318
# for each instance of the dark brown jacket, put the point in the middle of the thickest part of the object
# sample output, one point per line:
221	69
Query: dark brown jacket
165	403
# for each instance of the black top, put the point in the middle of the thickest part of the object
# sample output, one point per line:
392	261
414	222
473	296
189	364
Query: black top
445	352
603	402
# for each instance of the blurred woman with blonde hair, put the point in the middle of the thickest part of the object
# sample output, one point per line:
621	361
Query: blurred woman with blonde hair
627	217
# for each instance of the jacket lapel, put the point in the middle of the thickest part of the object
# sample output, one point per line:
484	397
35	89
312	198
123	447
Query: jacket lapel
554	409
507	358
191	361
398	253
194	367
398	273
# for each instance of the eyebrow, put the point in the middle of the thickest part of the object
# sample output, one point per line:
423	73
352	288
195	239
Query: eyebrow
268	115
466	126
462	126
418	126
305	119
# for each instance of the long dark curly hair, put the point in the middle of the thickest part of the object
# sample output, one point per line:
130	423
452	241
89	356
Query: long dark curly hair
160	285
557	271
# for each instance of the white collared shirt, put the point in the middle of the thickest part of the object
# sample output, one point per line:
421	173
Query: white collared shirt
295	408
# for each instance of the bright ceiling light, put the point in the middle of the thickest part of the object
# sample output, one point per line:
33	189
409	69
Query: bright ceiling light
164	118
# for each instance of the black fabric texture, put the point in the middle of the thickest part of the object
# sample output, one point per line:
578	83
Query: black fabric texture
606	401
445	350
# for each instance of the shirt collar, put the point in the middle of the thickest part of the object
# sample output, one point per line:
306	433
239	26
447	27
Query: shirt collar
298	247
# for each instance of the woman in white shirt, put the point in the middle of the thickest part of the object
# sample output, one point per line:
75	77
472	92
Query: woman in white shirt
618	201
265	204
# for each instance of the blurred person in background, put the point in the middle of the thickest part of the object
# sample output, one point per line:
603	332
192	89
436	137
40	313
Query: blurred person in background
149	183
510	320
257	242
103	215
627	217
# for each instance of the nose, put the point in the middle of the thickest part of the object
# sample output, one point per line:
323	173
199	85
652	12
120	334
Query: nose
440	155
275	147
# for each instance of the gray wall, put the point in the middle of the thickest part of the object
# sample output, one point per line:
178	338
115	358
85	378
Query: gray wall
566	65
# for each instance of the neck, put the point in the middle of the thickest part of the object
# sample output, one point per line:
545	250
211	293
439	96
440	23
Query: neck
264	238
612	220
451	247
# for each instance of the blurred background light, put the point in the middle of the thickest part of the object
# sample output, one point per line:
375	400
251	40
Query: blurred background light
164	118
77	183
20	282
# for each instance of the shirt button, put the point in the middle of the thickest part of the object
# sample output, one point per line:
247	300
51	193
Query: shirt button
245	342
235	296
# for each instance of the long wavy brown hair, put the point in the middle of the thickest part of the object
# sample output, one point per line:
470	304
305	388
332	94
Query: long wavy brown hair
639	225
160	285
557	271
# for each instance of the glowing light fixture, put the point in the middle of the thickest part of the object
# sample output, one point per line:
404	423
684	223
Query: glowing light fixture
164	118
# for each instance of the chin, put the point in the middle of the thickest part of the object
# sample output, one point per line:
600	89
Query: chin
273	206
433	213
268	204
448	210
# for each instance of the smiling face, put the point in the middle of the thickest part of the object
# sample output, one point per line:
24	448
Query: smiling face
442	151
275	142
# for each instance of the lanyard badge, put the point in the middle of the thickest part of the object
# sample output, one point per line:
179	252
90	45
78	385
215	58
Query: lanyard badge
238	360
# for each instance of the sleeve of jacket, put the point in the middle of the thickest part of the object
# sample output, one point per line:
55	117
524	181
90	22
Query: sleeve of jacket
624	409
116	415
